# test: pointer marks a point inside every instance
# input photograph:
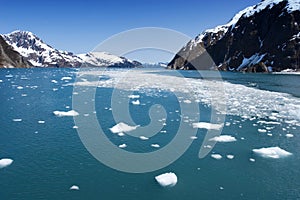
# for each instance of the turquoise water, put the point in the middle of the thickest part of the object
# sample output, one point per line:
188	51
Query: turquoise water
49	157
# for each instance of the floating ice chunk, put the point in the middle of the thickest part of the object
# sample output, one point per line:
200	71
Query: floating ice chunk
53	81
223	138
272	152
251	159
133	96
75	127
17	120
19	87
70	113
74	187
4	162
230	157
262	130
216	156
289	135
121	134
137	102
122	145
187	101
41	122
155	145
143	138
208	126
167	179
122	127
66	78
193	137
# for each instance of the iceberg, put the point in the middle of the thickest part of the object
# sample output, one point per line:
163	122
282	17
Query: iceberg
167	179
122	127
223	138
216	156
272	152
122	145
208	126
70	113
133	96
4	162
137	102
155	145
74	187
143	138
230	157
288	135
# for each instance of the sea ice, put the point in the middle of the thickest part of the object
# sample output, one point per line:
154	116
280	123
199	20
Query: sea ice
74	187
70	113
66	78
143	138
155	145
208	126
167	179
230	157
41	122
121	134
17	120
216	156
137	102
272	152
223	138
122	145
4	162
262	130
193	137
122	127
251	159
133	96
289	135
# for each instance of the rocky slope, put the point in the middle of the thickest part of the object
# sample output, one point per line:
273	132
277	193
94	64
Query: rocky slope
40	54
10	58
263	37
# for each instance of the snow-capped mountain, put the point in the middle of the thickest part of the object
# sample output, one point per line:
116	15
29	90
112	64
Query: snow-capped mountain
262	37
40	54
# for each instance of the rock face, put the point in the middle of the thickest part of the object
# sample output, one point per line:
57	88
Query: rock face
40	54
263	37
10	58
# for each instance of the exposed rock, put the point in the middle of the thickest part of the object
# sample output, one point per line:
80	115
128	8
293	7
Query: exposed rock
259	38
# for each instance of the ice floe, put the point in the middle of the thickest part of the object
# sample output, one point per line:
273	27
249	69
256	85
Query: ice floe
272	152
223	138
208	126
262	130
71	113
251	159
133	96
288	135
17	120
122	145
66	78
143	138
155	145
230	157
137	102
167	179
122	127
216	156
74	187
41	122
5	162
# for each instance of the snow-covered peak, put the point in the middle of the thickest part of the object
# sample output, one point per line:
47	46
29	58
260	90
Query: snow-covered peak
291	5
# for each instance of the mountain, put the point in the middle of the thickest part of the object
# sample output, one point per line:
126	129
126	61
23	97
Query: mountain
263	37
40	54
9	58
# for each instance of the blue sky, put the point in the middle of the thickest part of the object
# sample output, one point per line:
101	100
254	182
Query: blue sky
78	26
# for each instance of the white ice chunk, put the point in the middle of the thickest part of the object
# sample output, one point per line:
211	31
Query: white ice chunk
70	113
251	159
137	102
133	96
66	78
122	127
230	157
41	122
167	179
223	138
262	130
143	138
122	145
288	135
17	120
216	156
121	134
208	126
74	187
272	152
155	145
4	162
193	137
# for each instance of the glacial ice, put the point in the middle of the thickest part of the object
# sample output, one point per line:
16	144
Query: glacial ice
167	179
5	162
288	135
70	113
17	120
122	145
223	138
230	157
208	126
137	102
122	127
216	156
143	138
272	152
155	145
133	96
74	187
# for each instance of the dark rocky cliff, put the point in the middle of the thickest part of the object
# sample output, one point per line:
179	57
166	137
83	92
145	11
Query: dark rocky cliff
260	38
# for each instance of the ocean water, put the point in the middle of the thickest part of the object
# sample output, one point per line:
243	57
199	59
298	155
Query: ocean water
49	155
